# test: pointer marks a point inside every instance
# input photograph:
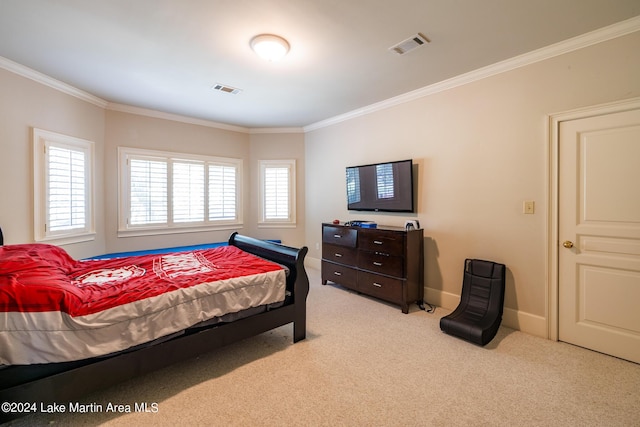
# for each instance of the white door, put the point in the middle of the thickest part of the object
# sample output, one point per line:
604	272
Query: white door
599	234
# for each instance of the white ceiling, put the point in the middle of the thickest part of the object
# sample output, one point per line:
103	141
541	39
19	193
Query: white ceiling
166	55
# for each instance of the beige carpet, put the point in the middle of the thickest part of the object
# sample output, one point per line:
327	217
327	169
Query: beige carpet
364	363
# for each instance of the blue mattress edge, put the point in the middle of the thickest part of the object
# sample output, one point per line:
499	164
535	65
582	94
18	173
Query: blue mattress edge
163	250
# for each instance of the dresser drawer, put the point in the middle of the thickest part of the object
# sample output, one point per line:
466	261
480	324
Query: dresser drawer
340	274
381	263
342	236
387	242
339	254
382	287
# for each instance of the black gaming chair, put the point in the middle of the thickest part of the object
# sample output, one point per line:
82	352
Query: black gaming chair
479	314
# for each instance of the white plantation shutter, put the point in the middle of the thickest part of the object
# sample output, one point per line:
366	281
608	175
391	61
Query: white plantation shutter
63	188
384	181
277	192
353	185
161	191
188	192
222	192
66	189
148	191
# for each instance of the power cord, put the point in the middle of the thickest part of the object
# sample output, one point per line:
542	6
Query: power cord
422	303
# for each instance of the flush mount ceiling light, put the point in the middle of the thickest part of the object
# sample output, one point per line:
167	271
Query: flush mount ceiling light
269	47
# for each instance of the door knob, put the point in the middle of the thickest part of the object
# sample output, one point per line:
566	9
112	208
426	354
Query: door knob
568	244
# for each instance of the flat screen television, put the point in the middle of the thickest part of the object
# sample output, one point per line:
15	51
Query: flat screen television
381	187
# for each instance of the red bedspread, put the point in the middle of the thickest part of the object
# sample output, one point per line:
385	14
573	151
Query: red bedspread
38	277
55	309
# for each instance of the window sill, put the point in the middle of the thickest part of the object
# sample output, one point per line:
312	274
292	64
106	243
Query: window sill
277	225
67	240
138	232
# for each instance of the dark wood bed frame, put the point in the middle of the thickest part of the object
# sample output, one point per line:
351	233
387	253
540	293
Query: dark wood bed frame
66	382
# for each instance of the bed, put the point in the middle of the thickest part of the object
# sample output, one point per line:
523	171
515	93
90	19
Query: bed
87	325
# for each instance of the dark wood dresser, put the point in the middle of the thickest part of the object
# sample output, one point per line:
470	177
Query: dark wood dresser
383	262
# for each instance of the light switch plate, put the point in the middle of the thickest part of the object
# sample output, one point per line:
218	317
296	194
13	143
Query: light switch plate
529	207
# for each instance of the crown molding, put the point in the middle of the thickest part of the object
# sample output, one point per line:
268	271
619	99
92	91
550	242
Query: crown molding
43	79
123	108
276	130
594	37
112	106
588	39
36	76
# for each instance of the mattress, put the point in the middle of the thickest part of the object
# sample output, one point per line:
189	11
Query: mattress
56	309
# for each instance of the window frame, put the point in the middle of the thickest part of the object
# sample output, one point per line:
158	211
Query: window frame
42	141
126	229
290	220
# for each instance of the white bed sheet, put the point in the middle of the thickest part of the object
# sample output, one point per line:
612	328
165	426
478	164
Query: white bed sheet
50	337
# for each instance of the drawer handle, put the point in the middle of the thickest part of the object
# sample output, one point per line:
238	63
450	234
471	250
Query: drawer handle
377	264
377	242
377	285
337	236
337	273
337	255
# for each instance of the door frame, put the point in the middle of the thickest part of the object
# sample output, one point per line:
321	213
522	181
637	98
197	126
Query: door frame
553	216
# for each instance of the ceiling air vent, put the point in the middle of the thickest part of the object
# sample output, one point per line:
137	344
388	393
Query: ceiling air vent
410	44
226	89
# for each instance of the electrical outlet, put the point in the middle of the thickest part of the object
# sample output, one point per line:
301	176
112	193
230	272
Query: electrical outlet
529	207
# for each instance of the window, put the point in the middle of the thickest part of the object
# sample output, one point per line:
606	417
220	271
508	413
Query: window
148	191
164	192
353	185
223	192
63	188
188	192
277	192
384	181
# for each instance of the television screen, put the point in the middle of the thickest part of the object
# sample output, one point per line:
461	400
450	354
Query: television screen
383	187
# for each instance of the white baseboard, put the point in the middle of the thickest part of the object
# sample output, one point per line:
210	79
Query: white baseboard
441	299
522	321
313	263
526	322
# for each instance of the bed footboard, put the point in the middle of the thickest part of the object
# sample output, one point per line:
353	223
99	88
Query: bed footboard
297	281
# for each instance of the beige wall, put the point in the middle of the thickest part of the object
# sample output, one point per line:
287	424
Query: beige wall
139	131
25	104
481	150
277	146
